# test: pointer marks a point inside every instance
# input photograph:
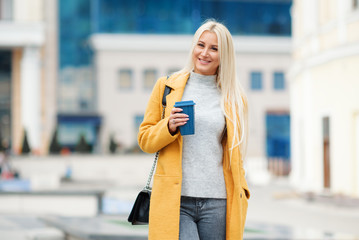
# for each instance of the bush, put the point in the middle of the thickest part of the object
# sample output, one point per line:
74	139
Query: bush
82	146
25	149
113	145
55	147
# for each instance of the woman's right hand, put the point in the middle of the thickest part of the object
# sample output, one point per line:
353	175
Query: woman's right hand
176	119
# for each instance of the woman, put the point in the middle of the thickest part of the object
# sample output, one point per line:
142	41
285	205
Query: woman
199	189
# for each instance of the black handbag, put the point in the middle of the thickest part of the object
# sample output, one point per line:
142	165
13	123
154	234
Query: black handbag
140	211
141	208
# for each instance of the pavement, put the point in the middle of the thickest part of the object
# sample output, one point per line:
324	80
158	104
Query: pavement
27	227
276	211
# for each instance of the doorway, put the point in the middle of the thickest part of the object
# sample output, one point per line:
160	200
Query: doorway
326	152
5	98
356	119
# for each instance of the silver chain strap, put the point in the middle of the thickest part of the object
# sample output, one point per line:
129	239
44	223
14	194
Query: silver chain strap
147	187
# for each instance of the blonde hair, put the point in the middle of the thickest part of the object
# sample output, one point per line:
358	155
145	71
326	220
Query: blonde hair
232	93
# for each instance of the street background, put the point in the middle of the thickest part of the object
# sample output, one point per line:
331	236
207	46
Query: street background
75	77
276	210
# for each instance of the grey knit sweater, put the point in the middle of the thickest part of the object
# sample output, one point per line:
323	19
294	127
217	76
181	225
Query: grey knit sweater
202	152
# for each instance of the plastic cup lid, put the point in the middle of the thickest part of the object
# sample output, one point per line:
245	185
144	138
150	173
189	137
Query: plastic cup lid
184	103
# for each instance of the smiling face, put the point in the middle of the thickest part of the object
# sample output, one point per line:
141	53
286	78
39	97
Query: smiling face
205	55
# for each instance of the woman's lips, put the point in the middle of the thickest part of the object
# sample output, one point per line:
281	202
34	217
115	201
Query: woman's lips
204	61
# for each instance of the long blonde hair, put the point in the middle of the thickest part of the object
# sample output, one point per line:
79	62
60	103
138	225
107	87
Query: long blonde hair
233	98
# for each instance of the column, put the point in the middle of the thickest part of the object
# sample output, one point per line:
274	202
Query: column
30	91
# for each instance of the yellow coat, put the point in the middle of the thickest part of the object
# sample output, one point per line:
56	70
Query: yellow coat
166	194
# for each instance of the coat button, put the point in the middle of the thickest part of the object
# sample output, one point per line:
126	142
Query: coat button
240	195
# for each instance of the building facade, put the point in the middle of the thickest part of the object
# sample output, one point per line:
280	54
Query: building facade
111	78
127	66
128	60
79	80
324	96
28	73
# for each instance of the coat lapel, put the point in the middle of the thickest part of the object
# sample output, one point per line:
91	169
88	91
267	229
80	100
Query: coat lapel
177	83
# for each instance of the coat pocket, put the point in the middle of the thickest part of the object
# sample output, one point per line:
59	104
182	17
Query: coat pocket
247	194
165	197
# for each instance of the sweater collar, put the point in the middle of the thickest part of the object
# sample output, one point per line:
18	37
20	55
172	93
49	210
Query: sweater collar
205	80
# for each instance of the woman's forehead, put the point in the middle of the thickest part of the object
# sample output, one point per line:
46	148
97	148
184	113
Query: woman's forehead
208	36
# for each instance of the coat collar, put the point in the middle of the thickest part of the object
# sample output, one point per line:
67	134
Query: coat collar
177	81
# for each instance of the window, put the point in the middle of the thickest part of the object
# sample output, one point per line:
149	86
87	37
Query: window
6	9
278	81
184	16
5	97
138	121
76	90
256	80
278	135
149	78
125	79
326	151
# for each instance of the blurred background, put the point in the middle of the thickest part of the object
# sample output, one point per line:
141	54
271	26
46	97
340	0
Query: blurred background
75	78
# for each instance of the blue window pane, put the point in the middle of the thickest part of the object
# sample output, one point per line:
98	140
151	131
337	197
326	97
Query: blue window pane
138	121
278	135
256	80
78	19
151	16
74	31
71	127
250	17
278	82
184	16
5	96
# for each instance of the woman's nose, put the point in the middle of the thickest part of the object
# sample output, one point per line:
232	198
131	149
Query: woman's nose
204	52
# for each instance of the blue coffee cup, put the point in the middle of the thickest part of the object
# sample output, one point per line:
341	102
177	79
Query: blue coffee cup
188	108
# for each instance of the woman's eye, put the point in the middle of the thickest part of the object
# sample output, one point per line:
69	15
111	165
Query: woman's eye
215	49
200	44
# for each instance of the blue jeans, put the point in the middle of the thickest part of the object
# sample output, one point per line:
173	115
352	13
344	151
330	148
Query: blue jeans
202	219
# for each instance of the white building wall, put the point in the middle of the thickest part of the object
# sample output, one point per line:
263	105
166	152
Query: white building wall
318	93
324	83
119	107
28	10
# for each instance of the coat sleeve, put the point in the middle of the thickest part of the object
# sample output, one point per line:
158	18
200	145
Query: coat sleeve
153	134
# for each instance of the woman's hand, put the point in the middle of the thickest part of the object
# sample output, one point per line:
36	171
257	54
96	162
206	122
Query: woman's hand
176	119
